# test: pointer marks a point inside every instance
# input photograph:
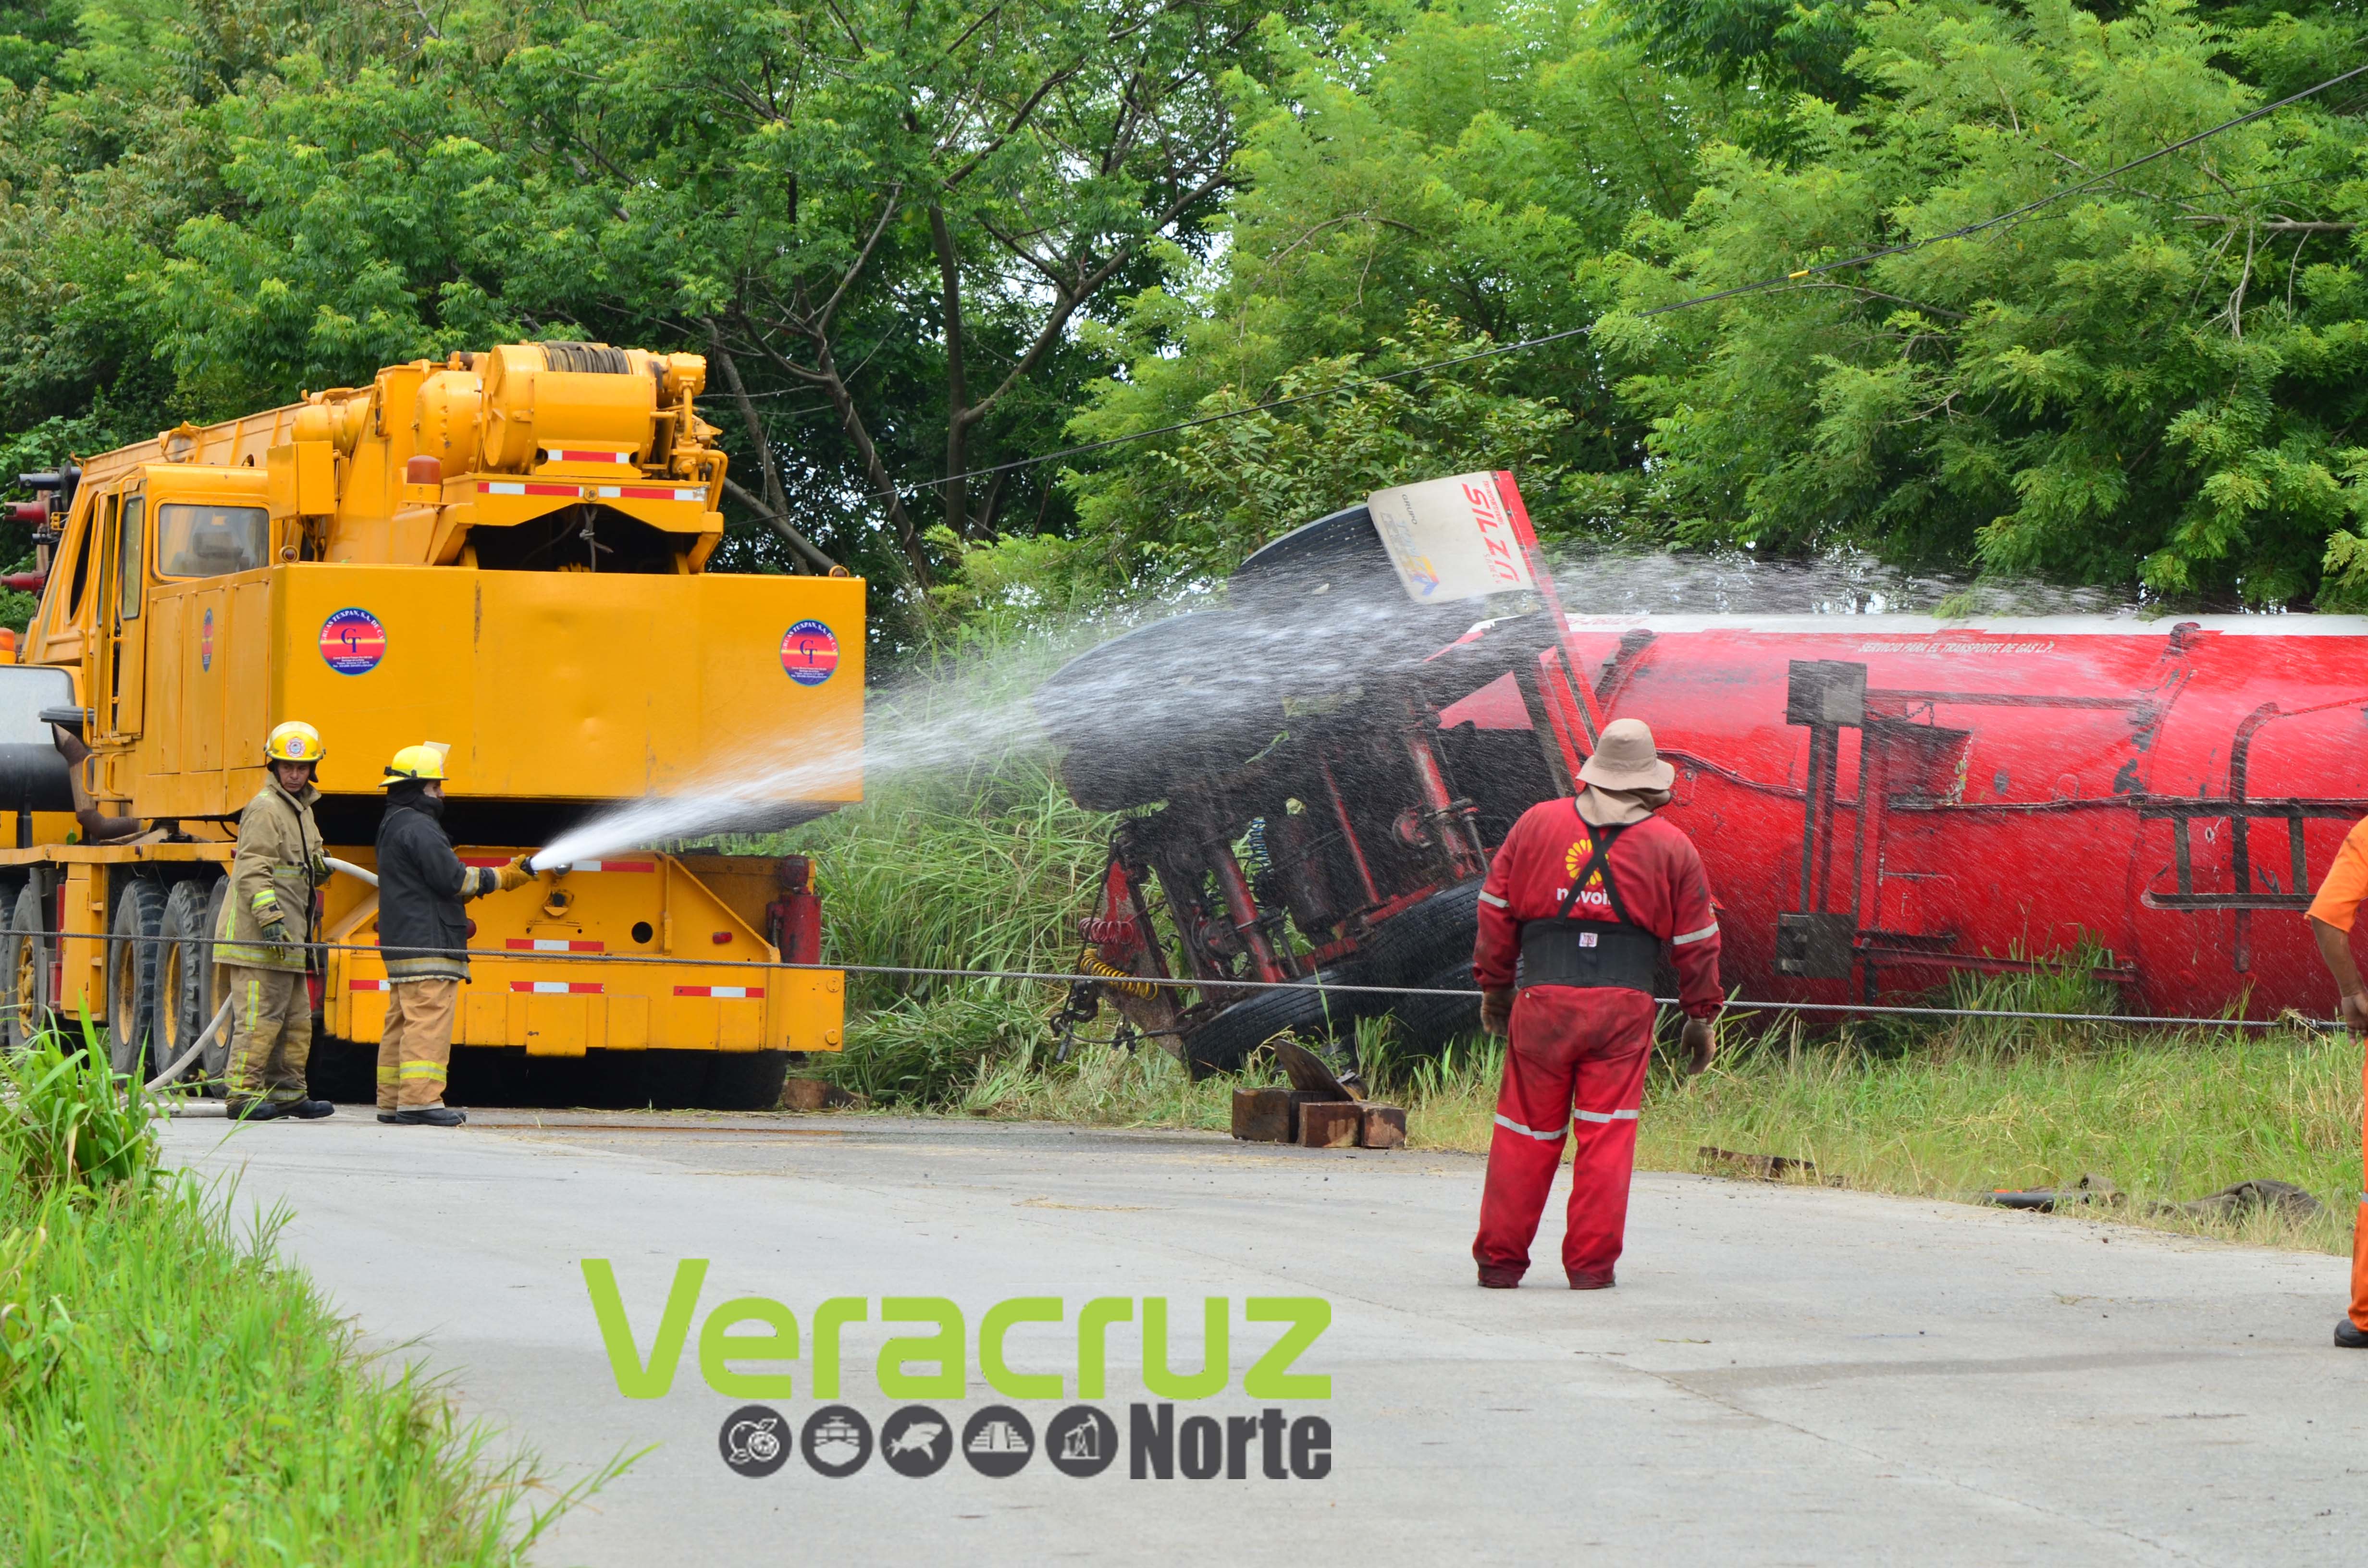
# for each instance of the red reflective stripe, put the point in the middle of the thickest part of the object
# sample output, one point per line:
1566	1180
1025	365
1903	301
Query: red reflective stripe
366	984
727	992
570	455
607	865
550	945
504	487
557	987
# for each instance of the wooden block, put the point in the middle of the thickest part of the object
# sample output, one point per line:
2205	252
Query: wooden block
804	1094
1262	1116
1385	1125
1330	1124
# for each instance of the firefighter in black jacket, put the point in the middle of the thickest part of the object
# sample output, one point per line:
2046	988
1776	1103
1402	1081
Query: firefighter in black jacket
423	937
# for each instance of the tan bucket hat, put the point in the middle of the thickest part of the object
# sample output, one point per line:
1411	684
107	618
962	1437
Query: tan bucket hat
1624	759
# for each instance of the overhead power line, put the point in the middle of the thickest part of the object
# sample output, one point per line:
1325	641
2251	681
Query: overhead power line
2012	216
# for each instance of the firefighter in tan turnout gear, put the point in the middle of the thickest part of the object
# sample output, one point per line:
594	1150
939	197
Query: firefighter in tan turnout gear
423	937
260	953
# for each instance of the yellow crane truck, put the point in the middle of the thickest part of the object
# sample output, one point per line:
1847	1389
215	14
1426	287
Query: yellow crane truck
506	552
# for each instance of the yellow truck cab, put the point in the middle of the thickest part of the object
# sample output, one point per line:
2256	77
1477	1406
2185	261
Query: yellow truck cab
504	553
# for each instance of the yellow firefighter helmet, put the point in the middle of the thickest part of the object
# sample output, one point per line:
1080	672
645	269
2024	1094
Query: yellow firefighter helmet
415	762
294	741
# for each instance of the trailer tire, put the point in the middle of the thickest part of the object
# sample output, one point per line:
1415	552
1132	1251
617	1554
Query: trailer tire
1221	1044
1425	1025
185	975
25	970
1417	943
132	970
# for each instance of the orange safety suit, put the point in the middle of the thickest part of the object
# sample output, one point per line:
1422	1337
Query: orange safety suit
2338	903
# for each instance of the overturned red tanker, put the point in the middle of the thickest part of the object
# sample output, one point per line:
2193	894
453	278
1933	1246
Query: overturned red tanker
1882	800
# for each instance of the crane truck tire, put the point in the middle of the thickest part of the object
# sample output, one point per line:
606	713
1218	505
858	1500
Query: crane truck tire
25	969
185	981
132	973
750	1081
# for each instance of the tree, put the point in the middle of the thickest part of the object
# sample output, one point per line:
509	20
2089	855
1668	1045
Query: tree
2156	383
1423	193
893	217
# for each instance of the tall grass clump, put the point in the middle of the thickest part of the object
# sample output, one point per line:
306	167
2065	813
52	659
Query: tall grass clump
171	1392
978	860
66	1119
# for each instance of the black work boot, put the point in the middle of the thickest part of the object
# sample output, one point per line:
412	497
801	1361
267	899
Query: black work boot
253	1111
429	1116
2350	1336
310	1111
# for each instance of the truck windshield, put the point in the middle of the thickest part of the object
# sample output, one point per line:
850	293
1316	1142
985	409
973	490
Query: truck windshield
209	540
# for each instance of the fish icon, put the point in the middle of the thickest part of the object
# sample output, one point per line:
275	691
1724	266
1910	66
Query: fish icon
919	1438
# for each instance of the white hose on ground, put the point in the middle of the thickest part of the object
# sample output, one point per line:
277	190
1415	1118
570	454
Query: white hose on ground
180	1065
349	869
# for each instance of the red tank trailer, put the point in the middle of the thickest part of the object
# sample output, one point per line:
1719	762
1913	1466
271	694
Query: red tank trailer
1882	800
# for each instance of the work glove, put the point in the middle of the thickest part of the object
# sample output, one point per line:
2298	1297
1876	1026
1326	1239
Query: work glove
1497	1010
275	931
514	875
1701	1042
320	870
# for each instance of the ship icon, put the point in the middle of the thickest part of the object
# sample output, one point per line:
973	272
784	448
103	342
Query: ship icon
999	1437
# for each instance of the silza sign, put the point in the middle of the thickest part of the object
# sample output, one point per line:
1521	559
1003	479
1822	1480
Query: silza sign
1454	539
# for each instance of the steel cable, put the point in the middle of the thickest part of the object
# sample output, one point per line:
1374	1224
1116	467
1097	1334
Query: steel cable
1056	977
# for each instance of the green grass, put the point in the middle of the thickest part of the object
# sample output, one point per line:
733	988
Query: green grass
172	1393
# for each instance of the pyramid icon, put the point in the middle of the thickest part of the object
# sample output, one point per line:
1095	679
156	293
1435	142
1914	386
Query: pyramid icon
998	1437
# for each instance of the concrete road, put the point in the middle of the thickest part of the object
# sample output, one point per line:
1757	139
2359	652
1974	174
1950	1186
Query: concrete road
1783	1375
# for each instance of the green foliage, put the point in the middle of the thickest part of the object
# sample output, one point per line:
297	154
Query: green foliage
68	1122
914	241
2157	382
170	1391
1194	509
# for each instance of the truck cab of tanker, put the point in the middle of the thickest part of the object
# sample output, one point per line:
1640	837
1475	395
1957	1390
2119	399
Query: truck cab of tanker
504	553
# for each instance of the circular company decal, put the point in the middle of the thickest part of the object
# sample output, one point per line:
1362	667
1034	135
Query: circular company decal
1081	1440
998	1441
836	1440
916	1441
206	641
353	641
809	652
754	1440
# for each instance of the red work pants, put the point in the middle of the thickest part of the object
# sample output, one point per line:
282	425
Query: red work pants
1577	1058
2359	1225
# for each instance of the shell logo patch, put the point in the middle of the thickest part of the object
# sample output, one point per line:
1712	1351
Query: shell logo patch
206	641
809	652
353	641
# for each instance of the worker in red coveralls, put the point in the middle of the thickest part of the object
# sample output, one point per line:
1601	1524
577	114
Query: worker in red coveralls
1582	895
2333	913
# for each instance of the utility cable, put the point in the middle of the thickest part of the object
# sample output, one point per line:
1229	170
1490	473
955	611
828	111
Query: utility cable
1054	977
2013	215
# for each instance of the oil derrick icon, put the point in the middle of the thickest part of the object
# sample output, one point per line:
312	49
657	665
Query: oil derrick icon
1082	1442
